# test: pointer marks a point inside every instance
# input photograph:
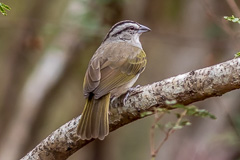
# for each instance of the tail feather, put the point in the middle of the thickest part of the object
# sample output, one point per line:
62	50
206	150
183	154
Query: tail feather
97	113
94	119
84	129
104	127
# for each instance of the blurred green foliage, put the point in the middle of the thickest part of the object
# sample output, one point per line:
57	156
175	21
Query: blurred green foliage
3	8
237	55
171	126
191	110
232	19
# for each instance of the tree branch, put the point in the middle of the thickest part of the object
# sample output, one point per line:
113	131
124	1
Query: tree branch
186	88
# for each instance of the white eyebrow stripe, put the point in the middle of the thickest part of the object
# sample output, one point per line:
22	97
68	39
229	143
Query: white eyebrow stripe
122	27
117	27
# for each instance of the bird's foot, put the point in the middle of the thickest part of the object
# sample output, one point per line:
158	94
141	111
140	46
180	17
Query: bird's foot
132	91
113	99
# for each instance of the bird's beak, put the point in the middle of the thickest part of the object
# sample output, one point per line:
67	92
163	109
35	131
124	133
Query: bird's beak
143	29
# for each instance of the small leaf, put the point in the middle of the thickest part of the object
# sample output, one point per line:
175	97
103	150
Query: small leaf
2	11
212	116
170	102
3	7
200	113
191	110
6	7
232	19
237	55
179	106
162	110
177	127
185	123
143	114
235	20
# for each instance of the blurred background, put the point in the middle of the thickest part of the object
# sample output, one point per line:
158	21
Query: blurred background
45	47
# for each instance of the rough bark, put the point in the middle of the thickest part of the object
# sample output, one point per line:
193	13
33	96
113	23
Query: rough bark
186	88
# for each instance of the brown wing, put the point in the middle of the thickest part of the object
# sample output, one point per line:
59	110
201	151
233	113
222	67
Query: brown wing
121	63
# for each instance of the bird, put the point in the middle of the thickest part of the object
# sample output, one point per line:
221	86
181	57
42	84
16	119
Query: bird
112	71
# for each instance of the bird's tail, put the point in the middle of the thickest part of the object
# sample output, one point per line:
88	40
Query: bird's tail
94	119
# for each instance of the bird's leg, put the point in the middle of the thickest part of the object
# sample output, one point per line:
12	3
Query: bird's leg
133	89
113	99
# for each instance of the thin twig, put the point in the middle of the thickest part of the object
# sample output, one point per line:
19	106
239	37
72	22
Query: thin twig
157	117
169	132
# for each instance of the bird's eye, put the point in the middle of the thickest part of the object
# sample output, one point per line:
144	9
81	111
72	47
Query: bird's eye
132	28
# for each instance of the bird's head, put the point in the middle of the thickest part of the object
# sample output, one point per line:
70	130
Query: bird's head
126	31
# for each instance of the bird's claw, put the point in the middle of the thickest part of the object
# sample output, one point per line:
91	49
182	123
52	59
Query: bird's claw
113	99
128	93
125	98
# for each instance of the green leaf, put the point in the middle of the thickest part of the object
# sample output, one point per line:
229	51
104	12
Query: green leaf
237	55
4	7
181	125
179	106
143	114
177	127
235	20
212	116
172	102
162	110
185	123
191	110
2	10
232	19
